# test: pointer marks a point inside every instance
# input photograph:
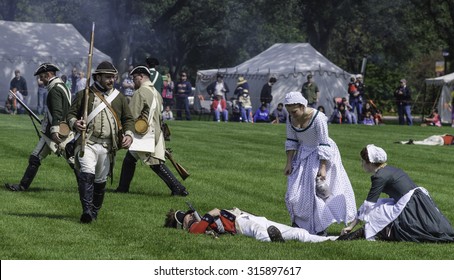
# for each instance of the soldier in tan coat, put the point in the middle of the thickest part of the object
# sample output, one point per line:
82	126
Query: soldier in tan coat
148	144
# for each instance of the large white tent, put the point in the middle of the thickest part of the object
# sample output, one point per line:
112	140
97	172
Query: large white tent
25	45
444	86
290	64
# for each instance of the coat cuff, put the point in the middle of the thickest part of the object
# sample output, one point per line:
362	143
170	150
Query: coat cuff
130	133
208	218
72	122
55	129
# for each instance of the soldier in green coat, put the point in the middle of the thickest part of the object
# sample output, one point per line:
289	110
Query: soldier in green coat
58	103
155	77
108	127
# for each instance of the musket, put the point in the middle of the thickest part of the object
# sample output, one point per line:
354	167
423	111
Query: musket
196	214
180	169
87	91
30	112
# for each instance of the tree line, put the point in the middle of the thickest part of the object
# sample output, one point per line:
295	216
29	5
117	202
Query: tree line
399	38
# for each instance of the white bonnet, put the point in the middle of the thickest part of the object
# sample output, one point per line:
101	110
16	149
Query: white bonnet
376	154
295	97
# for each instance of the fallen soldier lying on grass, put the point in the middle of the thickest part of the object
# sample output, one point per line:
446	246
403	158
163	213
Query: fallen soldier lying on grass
236	221
434	140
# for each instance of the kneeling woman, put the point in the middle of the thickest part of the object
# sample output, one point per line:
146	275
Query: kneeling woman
409	214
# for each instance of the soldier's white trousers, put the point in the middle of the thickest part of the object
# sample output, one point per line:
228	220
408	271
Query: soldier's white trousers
95	161
256	227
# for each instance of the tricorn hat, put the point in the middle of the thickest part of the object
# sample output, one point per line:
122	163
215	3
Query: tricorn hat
105	67
46	67
140	70
179	216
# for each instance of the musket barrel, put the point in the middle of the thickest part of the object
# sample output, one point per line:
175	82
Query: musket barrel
87	91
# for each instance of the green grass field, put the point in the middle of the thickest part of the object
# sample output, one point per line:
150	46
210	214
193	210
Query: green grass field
231	164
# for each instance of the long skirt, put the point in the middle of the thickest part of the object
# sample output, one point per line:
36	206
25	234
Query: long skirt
415	218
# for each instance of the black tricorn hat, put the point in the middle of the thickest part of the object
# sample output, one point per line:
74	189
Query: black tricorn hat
46	67
105	67
140	70
151	61
179	216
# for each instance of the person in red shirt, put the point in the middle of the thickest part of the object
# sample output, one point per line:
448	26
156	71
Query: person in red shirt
236	221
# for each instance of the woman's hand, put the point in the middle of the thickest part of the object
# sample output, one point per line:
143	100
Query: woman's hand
322	170
350	227
288	170
346	230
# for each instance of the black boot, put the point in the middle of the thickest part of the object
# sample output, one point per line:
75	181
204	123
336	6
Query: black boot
86	185
127	173
98	198
172	182
29	175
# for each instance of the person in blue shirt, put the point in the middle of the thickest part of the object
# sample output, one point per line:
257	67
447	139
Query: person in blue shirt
262	115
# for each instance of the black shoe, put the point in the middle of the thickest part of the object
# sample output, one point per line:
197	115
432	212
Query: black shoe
15	187
354	235
180	193
118	190
275	234
86	218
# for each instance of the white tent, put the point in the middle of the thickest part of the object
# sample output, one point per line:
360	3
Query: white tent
290	64
446	85
25	45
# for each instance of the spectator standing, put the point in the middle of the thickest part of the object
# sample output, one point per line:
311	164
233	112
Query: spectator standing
279	114
167	90
218	86
81	82
310	91
451	106
402	96
262	115
42	97
156	77
265	95
355	99
20	84
73	81
183	90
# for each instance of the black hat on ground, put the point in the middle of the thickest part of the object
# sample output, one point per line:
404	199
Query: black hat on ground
46	67
105	67
151	61
140	70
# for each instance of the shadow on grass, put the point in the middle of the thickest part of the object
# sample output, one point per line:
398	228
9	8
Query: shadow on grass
39	215
146	193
